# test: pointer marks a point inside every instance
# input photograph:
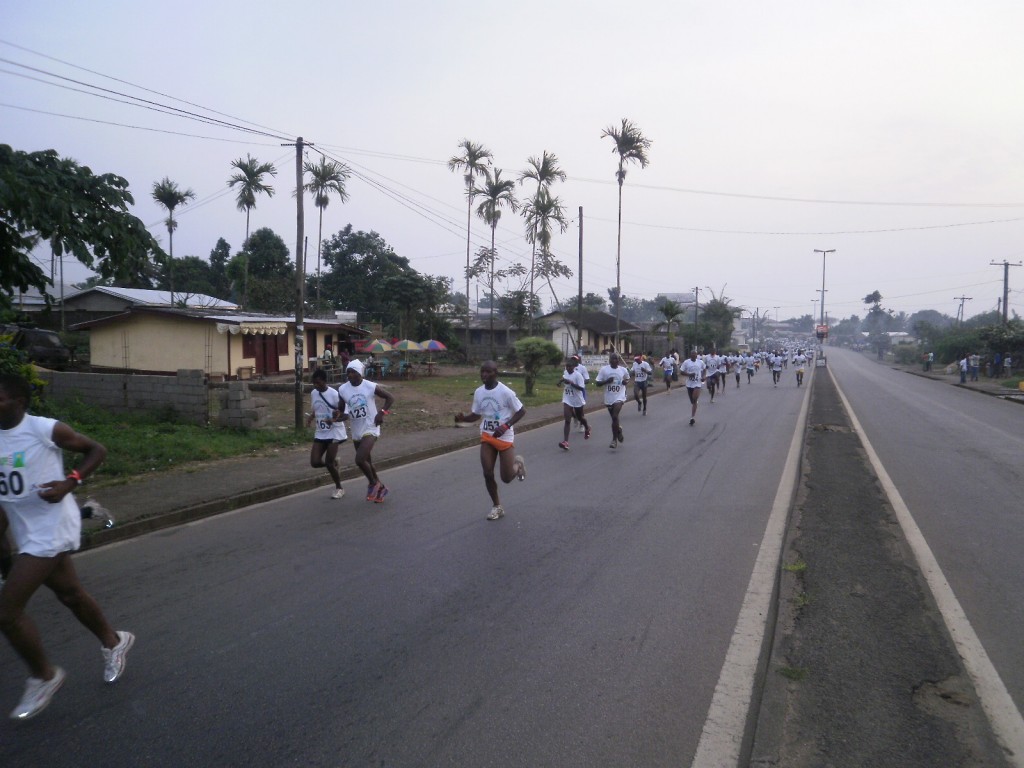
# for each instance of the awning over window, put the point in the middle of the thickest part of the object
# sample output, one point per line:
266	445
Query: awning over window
251	327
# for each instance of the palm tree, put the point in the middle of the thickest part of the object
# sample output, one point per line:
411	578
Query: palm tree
541	212
473	162
167	194
671	311
249	181
325	177
631	146
497	193
545	171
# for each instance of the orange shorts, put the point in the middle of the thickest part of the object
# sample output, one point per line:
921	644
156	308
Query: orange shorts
501	445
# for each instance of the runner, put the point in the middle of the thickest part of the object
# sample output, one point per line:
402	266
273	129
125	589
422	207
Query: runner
613	378
586	380
750	364
330	430
500	409
776	363
668	367
711	377
573	400
695	372
358	396
737	363
46	526
641	375
800	361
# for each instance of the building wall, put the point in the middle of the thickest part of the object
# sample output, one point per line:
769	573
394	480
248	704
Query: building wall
161	344
186	392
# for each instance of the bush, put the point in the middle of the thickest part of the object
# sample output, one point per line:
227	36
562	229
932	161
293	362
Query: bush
534	353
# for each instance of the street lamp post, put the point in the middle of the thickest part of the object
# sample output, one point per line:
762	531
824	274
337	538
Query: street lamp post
814	311
823	255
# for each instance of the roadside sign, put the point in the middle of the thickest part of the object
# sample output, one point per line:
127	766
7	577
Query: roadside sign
821	331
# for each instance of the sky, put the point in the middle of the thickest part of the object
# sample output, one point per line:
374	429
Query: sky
888	130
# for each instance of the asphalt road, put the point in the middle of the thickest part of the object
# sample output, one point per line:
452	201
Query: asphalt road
588	627
956	459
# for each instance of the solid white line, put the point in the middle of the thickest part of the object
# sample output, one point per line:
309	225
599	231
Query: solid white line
1003	715
721	738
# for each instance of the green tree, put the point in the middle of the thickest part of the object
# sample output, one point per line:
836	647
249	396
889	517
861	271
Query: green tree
270	270
220	255
591	303
671	312
357	266
631	146
545	171
719	315
472	163
326	177
542	212
170	196
533	354
497	193
249	179
192	276
47	198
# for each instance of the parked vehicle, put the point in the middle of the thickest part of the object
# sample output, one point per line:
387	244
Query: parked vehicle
40	346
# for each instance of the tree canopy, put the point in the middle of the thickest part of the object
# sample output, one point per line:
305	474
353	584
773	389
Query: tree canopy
44	197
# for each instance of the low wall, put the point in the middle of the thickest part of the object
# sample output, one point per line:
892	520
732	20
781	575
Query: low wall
186	393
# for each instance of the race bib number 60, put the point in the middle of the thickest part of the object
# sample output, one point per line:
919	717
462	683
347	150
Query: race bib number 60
12	484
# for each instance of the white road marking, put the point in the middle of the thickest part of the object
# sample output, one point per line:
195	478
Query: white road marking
1003	715
721	738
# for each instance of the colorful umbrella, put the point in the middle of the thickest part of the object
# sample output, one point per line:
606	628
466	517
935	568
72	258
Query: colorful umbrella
406	345
377	346
433	345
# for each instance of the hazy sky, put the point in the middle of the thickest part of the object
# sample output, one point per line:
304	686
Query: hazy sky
887	130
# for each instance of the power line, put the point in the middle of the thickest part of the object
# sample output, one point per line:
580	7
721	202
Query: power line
137	127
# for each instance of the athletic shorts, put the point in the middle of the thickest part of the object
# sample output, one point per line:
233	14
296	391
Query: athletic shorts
329	440
640	384
497	442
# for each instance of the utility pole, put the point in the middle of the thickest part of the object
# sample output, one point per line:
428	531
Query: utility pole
1006	285
579	299
960	311
300	282
823	255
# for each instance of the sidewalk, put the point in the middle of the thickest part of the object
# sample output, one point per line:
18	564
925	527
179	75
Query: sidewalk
167	499
984	385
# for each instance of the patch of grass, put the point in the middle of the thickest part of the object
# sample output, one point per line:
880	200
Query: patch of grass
147	442
801	600
461	388
793	673
798	567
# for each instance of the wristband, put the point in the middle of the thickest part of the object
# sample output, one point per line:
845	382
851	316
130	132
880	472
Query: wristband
76	476
386	413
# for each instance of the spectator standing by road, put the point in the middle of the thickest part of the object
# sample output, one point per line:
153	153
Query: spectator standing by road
975	364
498	409
1007	365
965	364
46	526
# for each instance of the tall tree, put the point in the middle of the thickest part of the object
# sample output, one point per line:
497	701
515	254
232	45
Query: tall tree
249	178
497	193
542	213
545	171
46	197
631	146
220	255
170	196
472	162
326	177
671	312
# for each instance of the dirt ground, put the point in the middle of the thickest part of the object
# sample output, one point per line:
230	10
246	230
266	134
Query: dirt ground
414	409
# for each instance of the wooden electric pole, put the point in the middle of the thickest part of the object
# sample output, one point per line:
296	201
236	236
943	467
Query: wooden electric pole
1006	285
300	284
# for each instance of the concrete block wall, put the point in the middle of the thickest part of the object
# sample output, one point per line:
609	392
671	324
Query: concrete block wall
239	409
186	393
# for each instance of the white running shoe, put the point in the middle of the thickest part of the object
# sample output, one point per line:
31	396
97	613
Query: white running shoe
338	494
113	658
496	513
521	474
38	694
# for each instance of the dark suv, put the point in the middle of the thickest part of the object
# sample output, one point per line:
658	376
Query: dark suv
40	346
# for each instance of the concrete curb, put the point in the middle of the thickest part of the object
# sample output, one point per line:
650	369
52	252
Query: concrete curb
99	537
